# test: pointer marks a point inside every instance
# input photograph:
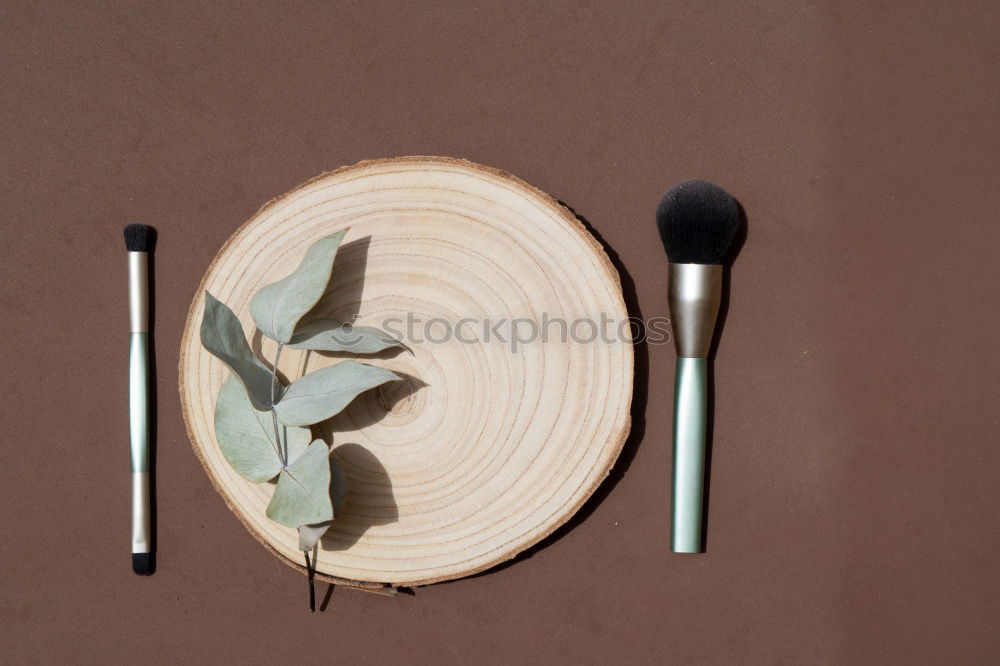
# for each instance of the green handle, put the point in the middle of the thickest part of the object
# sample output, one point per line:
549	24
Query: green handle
138	401
690	418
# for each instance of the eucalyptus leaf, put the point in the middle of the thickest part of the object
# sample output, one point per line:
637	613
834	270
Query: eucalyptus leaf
324	393
332	335
246	435
222	335
278	307
302	496
310	534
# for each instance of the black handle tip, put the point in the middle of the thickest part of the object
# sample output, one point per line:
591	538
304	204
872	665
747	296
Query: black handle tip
142	563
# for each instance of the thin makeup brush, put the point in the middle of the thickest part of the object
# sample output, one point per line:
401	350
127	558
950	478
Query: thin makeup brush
139	241
698	223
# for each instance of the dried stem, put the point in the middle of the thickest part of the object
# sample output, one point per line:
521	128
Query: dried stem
311	573
282	450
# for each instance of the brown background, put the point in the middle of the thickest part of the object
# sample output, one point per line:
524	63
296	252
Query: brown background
854	497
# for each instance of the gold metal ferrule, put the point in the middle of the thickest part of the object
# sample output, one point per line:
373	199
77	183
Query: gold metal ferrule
694	294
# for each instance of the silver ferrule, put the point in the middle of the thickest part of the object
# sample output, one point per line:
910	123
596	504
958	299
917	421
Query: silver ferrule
138	292
694	294
141	542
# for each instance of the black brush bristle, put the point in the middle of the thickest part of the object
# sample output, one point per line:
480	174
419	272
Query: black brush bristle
698	223
142	563
140	238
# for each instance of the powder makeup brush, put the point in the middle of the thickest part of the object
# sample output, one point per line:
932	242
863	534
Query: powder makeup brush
139	240
698	223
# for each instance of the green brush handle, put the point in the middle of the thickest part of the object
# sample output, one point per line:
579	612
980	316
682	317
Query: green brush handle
690	418
138	412
138	401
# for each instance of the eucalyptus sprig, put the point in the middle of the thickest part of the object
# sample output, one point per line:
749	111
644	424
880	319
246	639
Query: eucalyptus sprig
262	426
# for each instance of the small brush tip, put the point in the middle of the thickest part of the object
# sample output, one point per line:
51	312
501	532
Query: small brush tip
140	238
142	563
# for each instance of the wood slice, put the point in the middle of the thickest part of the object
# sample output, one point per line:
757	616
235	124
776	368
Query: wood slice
484	449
